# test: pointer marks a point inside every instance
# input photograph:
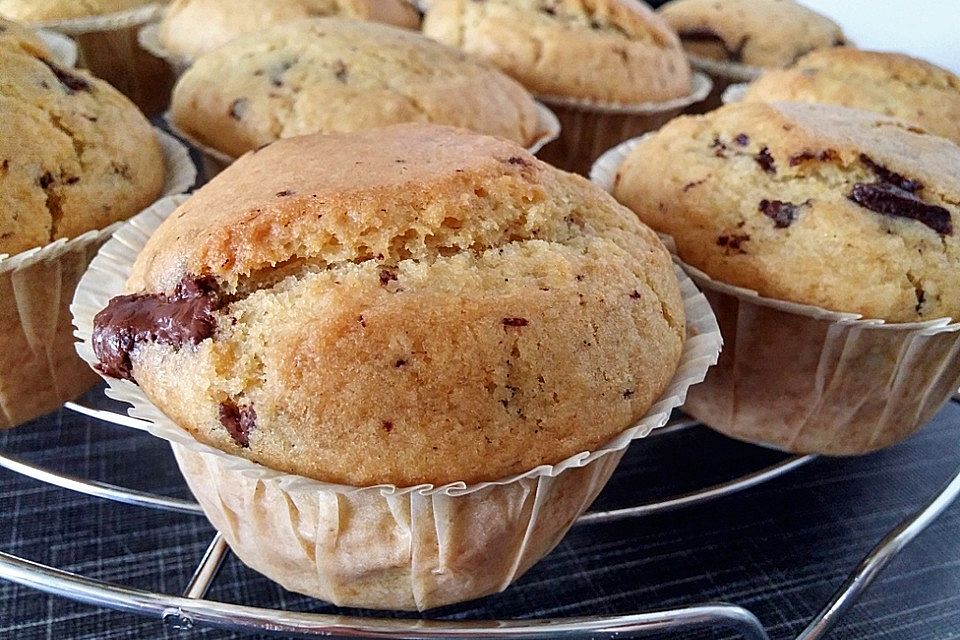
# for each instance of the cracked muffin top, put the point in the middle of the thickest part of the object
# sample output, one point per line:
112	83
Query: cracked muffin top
44	10
893	84
761	33
817	204
330	75
603	50
75	154
191	28
415	304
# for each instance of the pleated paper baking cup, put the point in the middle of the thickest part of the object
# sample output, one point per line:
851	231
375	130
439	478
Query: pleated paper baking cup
215	161
39	369
149	39
735	93
108	47
384	547
61	47
805	379
588	128
723	74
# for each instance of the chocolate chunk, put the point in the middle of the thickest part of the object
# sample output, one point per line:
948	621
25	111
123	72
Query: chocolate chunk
635	295
921	297
45	180
550	11
765	160
239	422
71	82
518	161
285	193
387	426
742	139
187	316
386	276
515	322
827	155
890	177
782	213
628	393
238	107
719	148
691	185
340	71
892	200
733	241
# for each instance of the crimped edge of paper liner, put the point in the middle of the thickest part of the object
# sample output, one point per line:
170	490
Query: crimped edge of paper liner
181	175
735	93
148	37
700	87
62	47
549	125
105	22
735	71
107	275
604	173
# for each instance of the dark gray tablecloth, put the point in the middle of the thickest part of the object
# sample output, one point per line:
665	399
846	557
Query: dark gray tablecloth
780	549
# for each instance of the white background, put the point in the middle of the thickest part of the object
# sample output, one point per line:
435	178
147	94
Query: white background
928	29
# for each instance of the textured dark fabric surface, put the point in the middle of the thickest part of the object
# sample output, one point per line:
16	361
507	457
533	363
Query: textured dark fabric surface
780	549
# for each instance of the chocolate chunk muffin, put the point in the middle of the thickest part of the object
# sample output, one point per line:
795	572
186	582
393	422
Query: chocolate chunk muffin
839	208
415	304
42	10
191	28
761	33
603	50
329	75
75	154
893	84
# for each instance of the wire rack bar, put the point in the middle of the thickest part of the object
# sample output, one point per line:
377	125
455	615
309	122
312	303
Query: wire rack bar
99	489
878	558
310	625
700	495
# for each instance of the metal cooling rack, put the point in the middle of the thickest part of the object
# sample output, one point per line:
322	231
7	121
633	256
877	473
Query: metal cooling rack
183	612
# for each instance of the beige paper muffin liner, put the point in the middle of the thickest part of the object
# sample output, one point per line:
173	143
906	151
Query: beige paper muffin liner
63	48
382	547
39	369
149	39
735	93
108	47
588	128
805	379
215	161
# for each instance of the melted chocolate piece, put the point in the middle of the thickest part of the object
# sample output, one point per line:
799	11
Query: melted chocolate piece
71	82
238	421
742	139
765	160
891	177
733	242
783	214
893	200
187	316
827	155
515	322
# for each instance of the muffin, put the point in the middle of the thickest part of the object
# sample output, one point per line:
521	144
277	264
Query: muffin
512	315
613	51
330	75
16	35
105	32
191	28
829	214
759	33
464	335
893	84
48	10
609	69
75	156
